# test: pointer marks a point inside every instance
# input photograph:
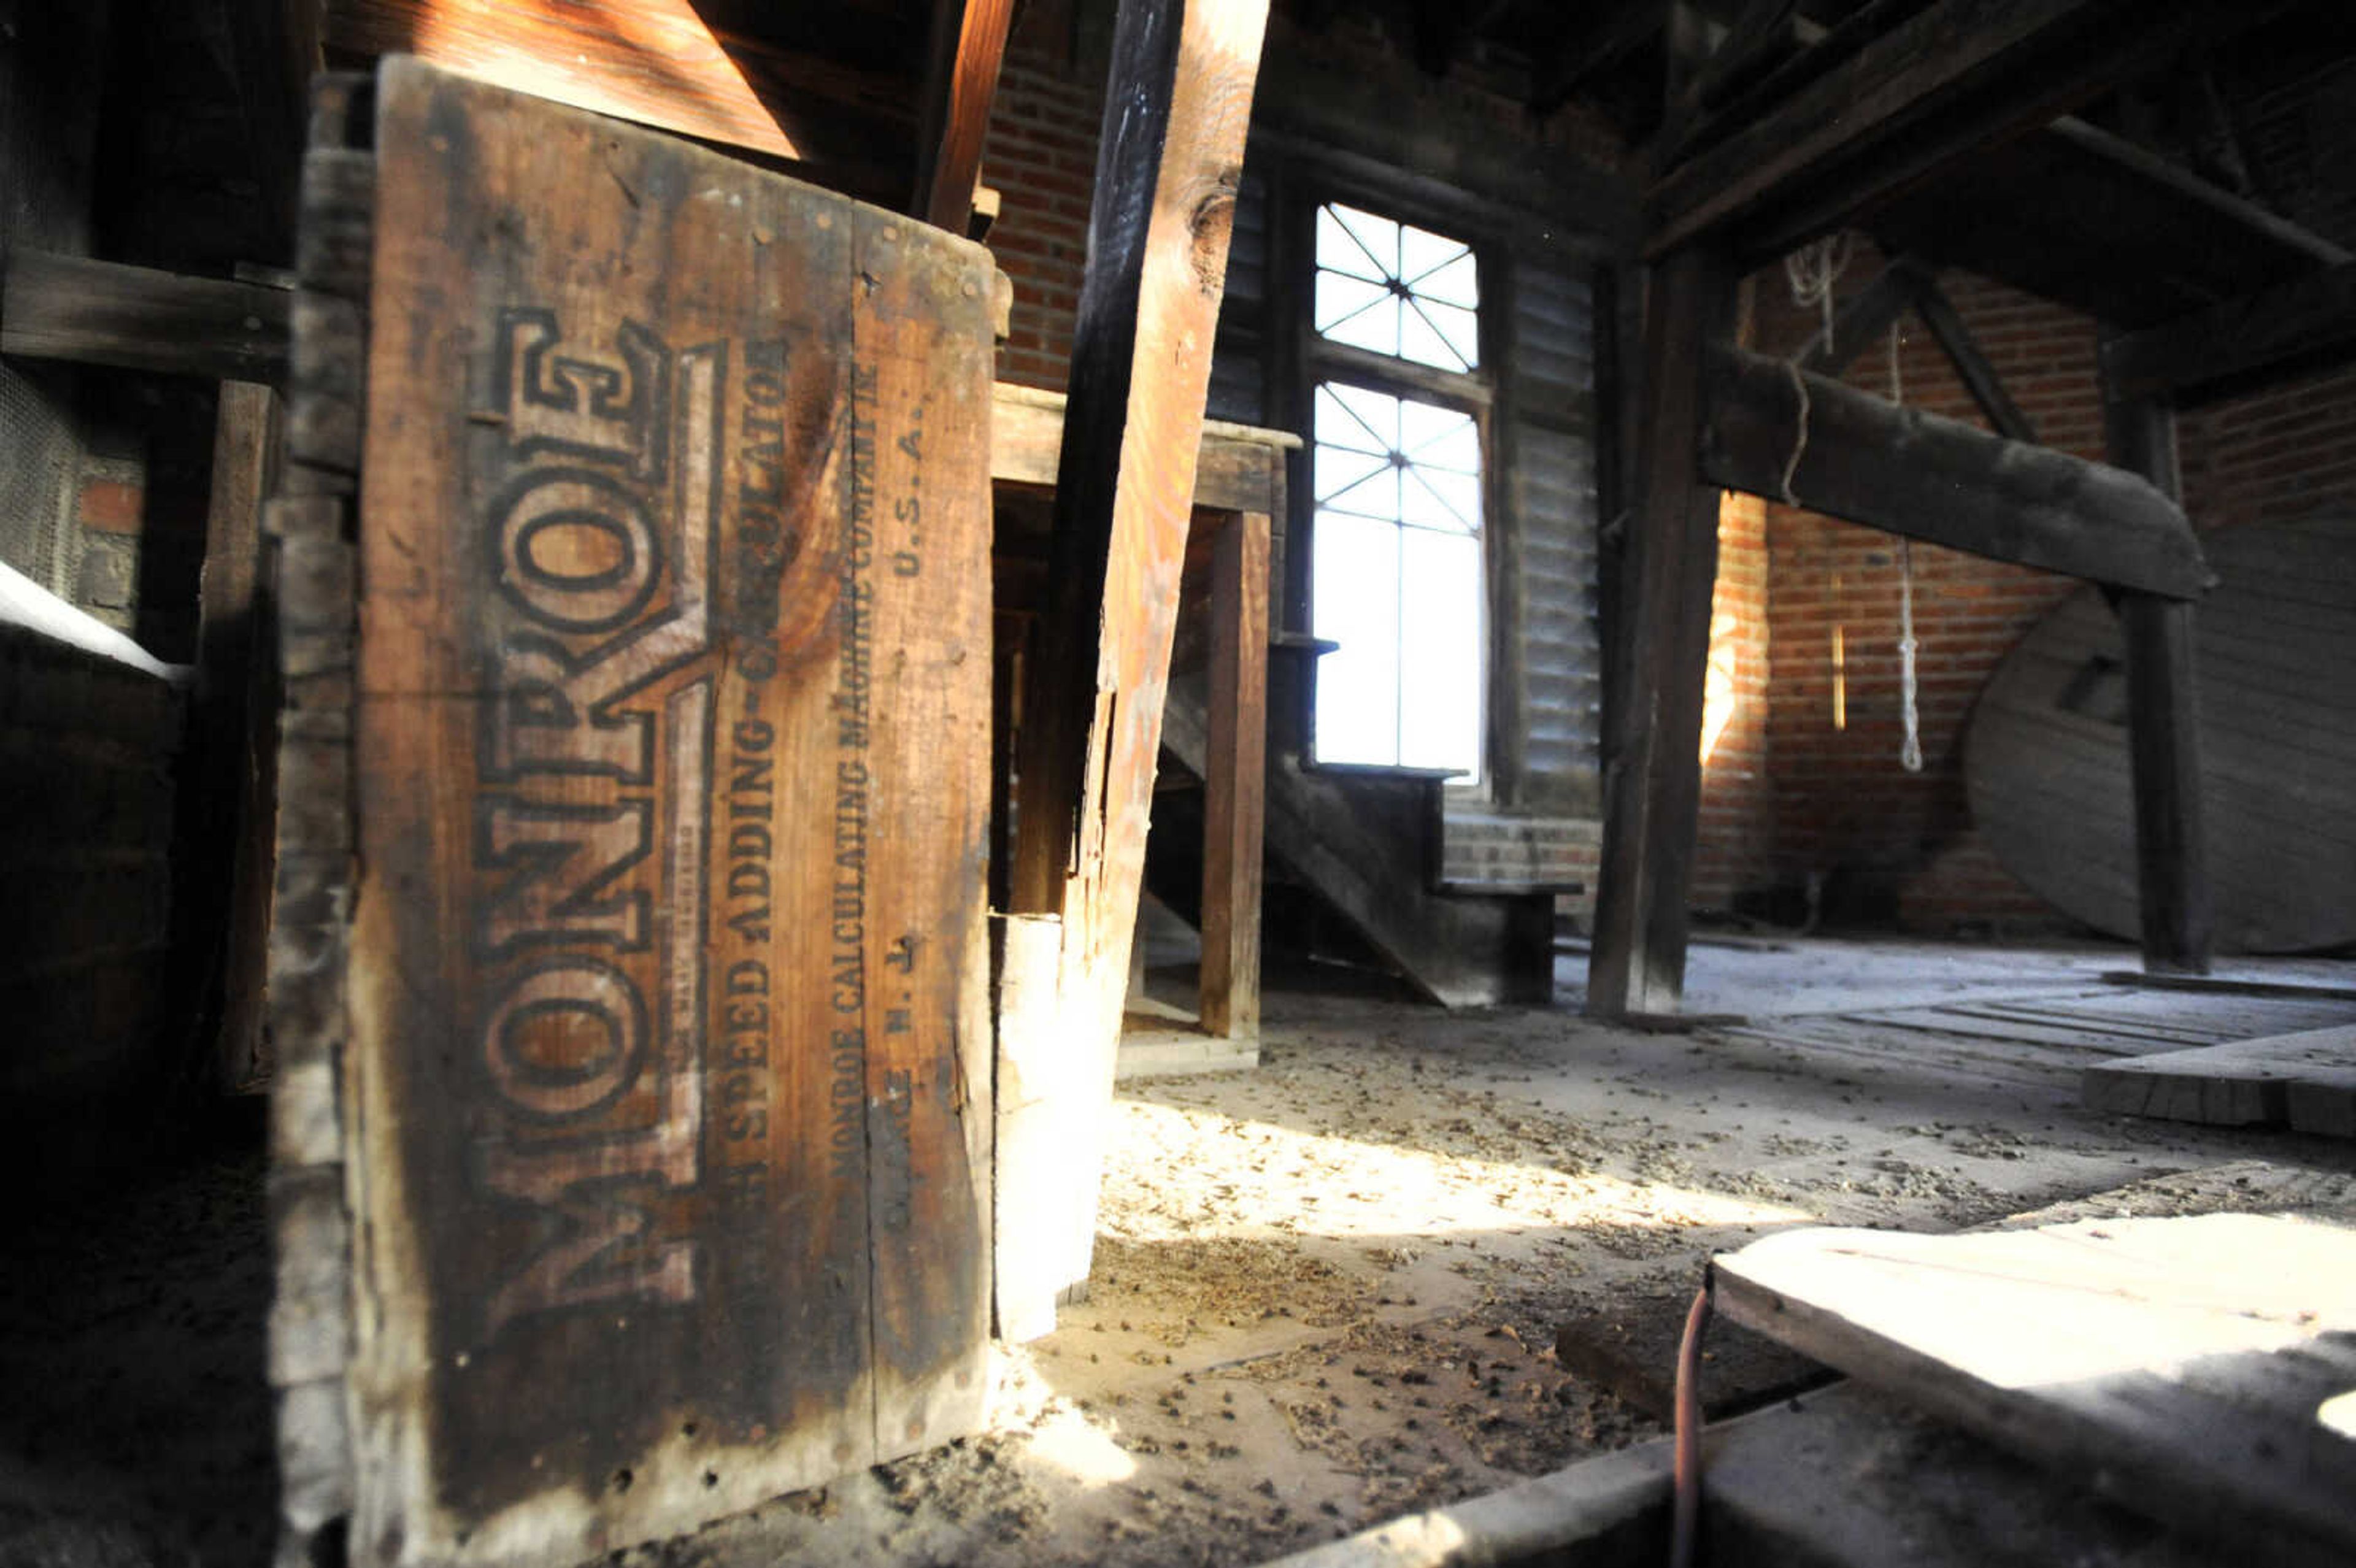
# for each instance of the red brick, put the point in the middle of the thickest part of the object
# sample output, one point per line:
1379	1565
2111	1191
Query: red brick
110	505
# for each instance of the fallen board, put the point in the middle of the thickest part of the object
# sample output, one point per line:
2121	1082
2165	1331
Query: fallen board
2176	1365
2306	1080
2046	757
666	1102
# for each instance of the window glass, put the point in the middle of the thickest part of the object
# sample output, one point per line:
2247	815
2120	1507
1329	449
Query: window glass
1395	289
1396	581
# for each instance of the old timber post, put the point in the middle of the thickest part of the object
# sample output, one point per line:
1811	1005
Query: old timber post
1171	158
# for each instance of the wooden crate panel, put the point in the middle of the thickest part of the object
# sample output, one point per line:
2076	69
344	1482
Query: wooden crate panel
667	1083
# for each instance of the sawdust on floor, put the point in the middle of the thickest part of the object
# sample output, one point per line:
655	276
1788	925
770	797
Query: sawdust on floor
1326	1291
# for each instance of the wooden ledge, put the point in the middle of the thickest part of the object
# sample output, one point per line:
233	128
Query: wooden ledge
1241	467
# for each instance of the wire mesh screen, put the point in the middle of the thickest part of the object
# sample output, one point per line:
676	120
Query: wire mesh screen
37	457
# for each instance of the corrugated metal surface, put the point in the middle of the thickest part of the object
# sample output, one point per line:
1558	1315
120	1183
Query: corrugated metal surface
1549	497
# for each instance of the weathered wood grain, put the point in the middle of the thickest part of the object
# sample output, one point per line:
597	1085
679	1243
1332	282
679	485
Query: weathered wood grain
2307	1081
667	1105
105	313
236	704
2173	891
1234	802
2047	760
1652	765
776	84
1939	480
920	329
1042	1244
2175	1365
958	105
1233	471
1169	163
313	1315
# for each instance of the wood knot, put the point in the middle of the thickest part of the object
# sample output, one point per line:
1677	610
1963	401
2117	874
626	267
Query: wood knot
1209	228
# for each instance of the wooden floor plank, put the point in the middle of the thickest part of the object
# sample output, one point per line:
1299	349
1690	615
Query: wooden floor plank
2306	1080
2165	1362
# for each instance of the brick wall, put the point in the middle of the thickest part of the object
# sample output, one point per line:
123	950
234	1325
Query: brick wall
1890	847
1895	848
2286	453
1735	851
1041	158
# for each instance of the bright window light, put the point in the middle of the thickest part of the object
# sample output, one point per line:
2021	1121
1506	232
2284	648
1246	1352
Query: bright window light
1396	581
1395	289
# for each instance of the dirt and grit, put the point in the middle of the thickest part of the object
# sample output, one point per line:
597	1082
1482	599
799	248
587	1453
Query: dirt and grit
1327	1290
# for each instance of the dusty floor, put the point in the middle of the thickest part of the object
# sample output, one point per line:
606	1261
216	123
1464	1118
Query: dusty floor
1326	1290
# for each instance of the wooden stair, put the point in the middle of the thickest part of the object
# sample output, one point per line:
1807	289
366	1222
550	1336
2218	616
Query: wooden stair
1364	843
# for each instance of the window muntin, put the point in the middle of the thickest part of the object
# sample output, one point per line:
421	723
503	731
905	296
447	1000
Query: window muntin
1392	288
1397	580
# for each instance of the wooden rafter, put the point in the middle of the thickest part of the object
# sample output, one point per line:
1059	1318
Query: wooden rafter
2294	326
1760	34
663	63
1957	76
1591	48
967	52
1962	350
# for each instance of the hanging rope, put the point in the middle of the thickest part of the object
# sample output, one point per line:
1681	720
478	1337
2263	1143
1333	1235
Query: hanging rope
1813	269
1800	444
1910	751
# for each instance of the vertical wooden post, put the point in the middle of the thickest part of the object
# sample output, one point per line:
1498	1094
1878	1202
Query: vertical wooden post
1652	783
1169	162
1234	804
237	704
2163	724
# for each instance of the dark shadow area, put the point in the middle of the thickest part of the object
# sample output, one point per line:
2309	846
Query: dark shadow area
136	1425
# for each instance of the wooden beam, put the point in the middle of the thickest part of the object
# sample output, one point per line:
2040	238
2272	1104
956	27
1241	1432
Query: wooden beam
1232	472
1863	320
1826	47
137	318
1177	106
1956	76
780	84
1591	48
1962	351
1234	803
2296	325
1939	480
2163	723
1760	34
957	111
1653	779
